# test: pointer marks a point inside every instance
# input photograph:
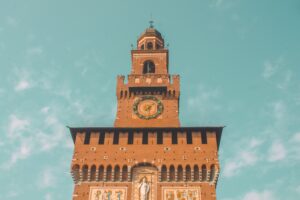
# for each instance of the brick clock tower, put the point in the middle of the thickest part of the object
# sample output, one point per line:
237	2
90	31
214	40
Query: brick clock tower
147	155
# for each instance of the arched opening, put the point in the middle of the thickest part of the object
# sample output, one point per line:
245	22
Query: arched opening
164	173
124	173
204	172
212	172
150	45
172	173
196	173
93	173
75	172
121	94
108	173
101	173
143	47
85	170
188	173
179	173
149	67
117	173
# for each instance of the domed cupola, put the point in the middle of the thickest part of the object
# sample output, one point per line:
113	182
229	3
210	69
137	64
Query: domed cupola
150	39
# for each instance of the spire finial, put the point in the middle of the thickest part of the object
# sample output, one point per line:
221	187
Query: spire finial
151	22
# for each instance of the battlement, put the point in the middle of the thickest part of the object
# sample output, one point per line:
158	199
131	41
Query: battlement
154	84
144	136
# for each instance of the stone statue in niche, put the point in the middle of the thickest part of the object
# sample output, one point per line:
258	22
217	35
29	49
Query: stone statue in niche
144	188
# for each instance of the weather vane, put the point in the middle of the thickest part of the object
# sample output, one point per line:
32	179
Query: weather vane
151	21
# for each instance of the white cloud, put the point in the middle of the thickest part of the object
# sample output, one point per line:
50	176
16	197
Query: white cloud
47	179
21	153
48	196
277	152
204	100
242	160
34	51
265	195
17	125
216	3
279	110
298	189
271	67
296	137
22	85
286	80
45	110
246	156
11	21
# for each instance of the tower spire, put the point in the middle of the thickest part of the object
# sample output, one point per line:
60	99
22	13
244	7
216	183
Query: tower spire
151	22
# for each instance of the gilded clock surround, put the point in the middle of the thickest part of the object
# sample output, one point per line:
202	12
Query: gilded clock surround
148	107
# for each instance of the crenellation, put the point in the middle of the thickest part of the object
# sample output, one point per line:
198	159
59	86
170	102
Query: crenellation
146	147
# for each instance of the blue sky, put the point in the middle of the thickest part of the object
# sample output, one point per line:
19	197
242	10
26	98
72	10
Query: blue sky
239	63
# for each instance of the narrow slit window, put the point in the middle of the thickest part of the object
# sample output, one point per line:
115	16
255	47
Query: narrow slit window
189	139
116	138
174	137
130	137
159	137
101	138
204	137
145	138
87	138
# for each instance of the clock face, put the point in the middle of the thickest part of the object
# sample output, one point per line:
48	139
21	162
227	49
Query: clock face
147	107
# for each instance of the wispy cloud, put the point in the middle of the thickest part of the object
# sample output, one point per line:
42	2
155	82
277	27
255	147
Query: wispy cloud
21	153
17	125
34	51
271	67
277	152
22	85
286	80
247	156
11	21
264	195
47	179
205	100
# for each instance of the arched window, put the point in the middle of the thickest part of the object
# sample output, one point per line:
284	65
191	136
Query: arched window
172	173
196	173
212	172
121	94
204	173
85	170
93	173
75	172
149	45
124	173
149	67
179	173
101	173
143	47
117	173
188	173
108	173
164	173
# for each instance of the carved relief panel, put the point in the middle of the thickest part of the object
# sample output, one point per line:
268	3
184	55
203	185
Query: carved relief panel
144	182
